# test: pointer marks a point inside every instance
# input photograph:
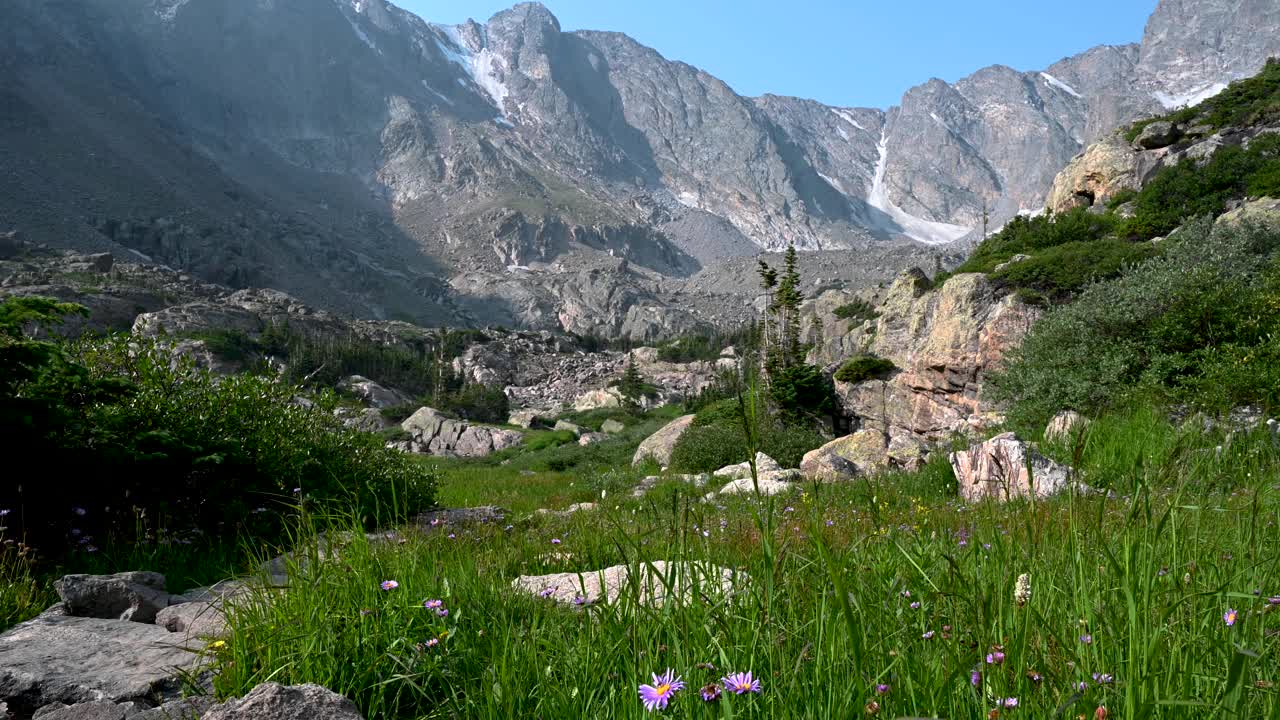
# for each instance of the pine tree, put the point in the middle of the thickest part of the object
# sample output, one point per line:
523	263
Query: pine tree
633	386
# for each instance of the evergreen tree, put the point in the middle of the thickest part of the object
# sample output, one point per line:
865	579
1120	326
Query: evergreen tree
633	386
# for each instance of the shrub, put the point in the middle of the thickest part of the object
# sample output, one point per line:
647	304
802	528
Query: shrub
1027	236
1059	272
864	367
477	403
802	391
1195	322
718	438
858	310
134	435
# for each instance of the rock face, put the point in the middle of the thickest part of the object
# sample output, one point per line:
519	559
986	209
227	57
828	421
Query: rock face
272	701
659	582
660	445
372	394
435	434
135	596
943	341
1004	468
425	176
75	659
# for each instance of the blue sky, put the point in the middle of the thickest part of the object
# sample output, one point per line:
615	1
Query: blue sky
850	52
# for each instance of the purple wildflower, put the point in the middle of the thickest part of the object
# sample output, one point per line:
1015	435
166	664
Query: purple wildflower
1087	639
432	604
555	541
1082	686
657	695
1009	702
995	657
433	642
1274	600
906	593
928	635
830	523
1229	617
579	600
546	592
975	678
740	683
1102	678
389	585
4	512
882	689
79	511
915	605
451	536
710	693
443	612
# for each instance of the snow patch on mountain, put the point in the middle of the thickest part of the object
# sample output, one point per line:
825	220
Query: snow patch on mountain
1055	82
167	10
916	228
483	67
1194	97
847	117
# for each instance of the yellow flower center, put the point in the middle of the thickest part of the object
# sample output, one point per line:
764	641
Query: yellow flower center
663	689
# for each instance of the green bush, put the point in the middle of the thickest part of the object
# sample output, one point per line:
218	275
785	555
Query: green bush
717	437
802	392
135	436
1059	272
858	310
1029	235
477	403
1197	322
864	367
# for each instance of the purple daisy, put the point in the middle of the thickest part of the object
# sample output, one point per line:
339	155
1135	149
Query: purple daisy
432	604
1009	702
975	678
389	585
995	657
710	693
928	635
741	683
882	689
1087	639
1229	617
664	687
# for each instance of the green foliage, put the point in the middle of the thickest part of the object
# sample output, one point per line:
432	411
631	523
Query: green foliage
132	432
633	386
1197	322
476	403
706	347
857	310
718	438
1059	272
231	345
1029	235
864	367
802	392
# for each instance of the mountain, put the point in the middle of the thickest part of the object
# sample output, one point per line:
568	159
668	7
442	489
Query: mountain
367	161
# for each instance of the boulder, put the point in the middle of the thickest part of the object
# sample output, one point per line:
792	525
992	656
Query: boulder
770	483
865	450
372	394
272	701
75	659
527	418
1093	177
1004	468
189	708
1263	211
1158	134
574	508
201	619
566	426
657	583
612	427
135	596
596	399
435	434
1064	425
592	438
764	464
827	466
98	710
367	420
462	516
660	445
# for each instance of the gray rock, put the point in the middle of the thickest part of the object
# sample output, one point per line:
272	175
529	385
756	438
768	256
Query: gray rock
135	596
764	464
1064	425
591	438
1011	261
778	482
372	394
185	709
998	470
74	660
462	516
612	427
435	434
272	701
660	445
566	426
657	583
98	710
195	620
527	418
1161	133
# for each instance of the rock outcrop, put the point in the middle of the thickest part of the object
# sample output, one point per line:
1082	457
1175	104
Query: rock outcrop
659	582
372	394
135	596
435	434
661	444
272	701
944	342
1005	468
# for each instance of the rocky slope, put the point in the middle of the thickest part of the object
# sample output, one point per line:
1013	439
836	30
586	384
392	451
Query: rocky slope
364	160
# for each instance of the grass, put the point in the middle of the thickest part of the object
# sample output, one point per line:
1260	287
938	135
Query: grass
890	582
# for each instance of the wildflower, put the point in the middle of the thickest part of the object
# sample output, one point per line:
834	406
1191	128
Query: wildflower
389	585
928	635
995	657
297	490
1022	590
555	541
710	693
975	678
657	695
1087	639
906	593
579	600
882	689
1100	713
442	612
1274	600
79	511
432	604
1186	578
1082	686
1164	570
1229	617
4	512
217	645
546	592
915	605
1034	676
433	642
831	523
1102	678
451	536
1009	702
872	707
740	683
